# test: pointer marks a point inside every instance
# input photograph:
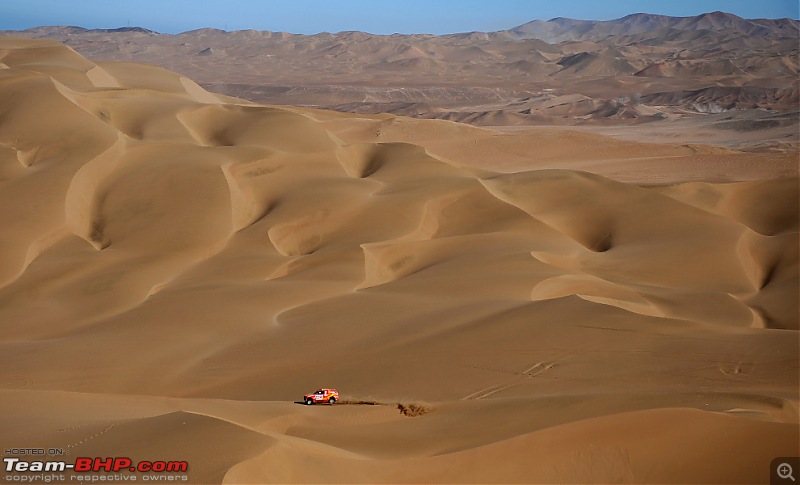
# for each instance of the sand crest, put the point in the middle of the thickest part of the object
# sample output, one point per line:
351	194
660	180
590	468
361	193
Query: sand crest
178	268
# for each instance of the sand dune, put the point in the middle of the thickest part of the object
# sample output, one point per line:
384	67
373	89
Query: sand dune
179	267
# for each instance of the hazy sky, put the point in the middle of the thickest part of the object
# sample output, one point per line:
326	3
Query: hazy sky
375	16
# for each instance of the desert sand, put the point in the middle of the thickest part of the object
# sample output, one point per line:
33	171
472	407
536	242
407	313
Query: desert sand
548	305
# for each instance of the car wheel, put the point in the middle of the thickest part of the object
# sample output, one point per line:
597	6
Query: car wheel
332	400
309	401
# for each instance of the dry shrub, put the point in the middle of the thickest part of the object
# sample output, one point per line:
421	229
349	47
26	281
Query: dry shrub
414	409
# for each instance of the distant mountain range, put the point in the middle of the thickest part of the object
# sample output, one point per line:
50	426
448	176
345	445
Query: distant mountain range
641	67
563	29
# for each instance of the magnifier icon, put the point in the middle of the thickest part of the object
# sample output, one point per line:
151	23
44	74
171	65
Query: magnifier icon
785	471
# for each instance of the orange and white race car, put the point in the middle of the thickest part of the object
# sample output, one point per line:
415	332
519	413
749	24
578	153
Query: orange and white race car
322	395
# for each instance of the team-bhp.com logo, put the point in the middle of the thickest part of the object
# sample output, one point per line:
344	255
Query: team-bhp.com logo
93	467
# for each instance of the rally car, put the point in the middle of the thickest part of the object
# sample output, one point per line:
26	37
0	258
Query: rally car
322	395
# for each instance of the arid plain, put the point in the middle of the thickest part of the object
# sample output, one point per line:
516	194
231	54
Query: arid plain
576	286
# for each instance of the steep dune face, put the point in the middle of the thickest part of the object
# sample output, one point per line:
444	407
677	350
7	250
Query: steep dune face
205	252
